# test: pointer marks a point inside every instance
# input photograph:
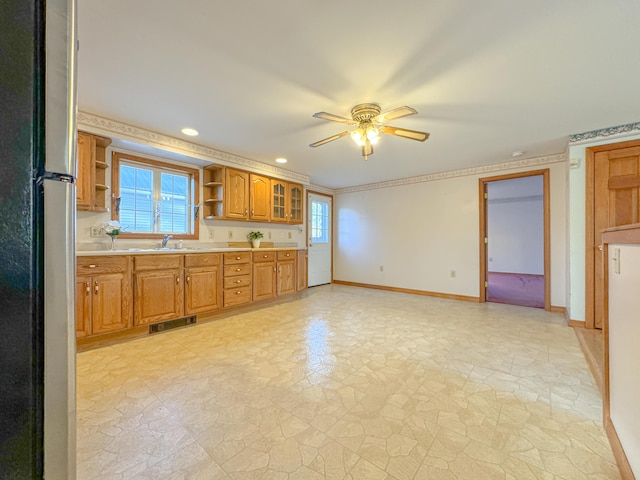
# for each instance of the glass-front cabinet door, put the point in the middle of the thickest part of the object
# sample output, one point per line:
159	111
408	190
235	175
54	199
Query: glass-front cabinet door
278	201
296	203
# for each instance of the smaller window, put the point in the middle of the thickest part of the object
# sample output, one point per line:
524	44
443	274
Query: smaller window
152	199
319	222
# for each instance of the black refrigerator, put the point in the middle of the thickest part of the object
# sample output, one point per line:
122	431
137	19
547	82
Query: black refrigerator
37	239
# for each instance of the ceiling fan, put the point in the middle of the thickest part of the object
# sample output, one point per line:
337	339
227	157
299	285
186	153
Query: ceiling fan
369	120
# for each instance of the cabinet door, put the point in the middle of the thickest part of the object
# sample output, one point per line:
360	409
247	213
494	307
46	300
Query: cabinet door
110	306
296	207
260	198
278	201
84	174
159	296
286	277
83	306
236	194
264	280
203	289
301	270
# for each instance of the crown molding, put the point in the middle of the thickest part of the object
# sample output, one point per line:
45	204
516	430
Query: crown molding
527	162
124	131
604	133
320	189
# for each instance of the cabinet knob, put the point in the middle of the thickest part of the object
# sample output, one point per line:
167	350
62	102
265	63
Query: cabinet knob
88	290
92	265
96	288
178	280
238	269
188	278
238	281
238	292
288	255
265	256
237	258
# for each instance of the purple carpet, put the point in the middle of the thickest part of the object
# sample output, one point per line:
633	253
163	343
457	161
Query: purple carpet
516	289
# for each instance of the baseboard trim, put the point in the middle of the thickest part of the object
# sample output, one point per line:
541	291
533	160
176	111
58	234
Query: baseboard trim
577	323
425	293
596	372
561	310
618	452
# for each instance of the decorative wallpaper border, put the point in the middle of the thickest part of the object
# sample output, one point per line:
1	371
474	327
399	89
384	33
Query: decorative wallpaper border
148	137
527	162
605	132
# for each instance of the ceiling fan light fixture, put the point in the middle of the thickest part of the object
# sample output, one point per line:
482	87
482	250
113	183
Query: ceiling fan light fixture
365	133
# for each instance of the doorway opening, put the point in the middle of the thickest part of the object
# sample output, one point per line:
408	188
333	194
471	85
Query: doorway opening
319	238
514	239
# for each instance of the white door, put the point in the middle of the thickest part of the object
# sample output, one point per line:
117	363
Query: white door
320	239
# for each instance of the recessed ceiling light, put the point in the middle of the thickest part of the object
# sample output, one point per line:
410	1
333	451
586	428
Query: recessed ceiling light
281	160
192	132
517	154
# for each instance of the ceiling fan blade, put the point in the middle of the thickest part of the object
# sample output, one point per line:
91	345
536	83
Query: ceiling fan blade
329	139
404	133
395	113
334	118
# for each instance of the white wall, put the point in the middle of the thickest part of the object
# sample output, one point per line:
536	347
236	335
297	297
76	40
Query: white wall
421	232
516	235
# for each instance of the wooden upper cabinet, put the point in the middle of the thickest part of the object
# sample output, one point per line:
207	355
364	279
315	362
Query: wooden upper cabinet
236	194
259	197
296	203
279	200
84	182
91	175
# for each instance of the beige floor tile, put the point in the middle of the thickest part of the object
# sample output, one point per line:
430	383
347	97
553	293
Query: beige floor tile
346	383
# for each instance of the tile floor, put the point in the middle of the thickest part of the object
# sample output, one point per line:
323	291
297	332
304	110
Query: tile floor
346	383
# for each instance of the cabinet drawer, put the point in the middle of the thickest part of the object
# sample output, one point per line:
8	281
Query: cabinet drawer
201	259
157	262
287	255
237	296
114	264
238	269
264	257
237	257
239	281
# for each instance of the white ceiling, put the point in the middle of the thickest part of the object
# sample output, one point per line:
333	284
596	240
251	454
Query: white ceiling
487	78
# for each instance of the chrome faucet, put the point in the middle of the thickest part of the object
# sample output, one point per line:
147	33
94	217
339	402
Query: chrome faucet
165	239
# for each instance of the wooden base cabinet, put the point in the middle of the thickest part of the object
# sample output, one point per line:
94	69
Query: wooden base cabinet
301	270
103	295
203	282
264	275
159	288
286	272
237	279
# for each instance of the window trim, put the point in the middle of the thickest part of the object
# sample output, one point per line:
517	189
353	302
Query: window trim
115	192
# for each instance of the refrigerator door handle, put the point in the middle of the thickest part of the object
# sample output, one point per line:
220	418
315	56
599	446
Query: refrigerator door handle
56	177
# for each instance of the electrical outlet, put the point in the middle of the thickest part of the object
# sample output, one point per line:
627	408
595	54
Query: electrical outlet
290	236
382	268
269	235
230	234
96	232
453	274
211	234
